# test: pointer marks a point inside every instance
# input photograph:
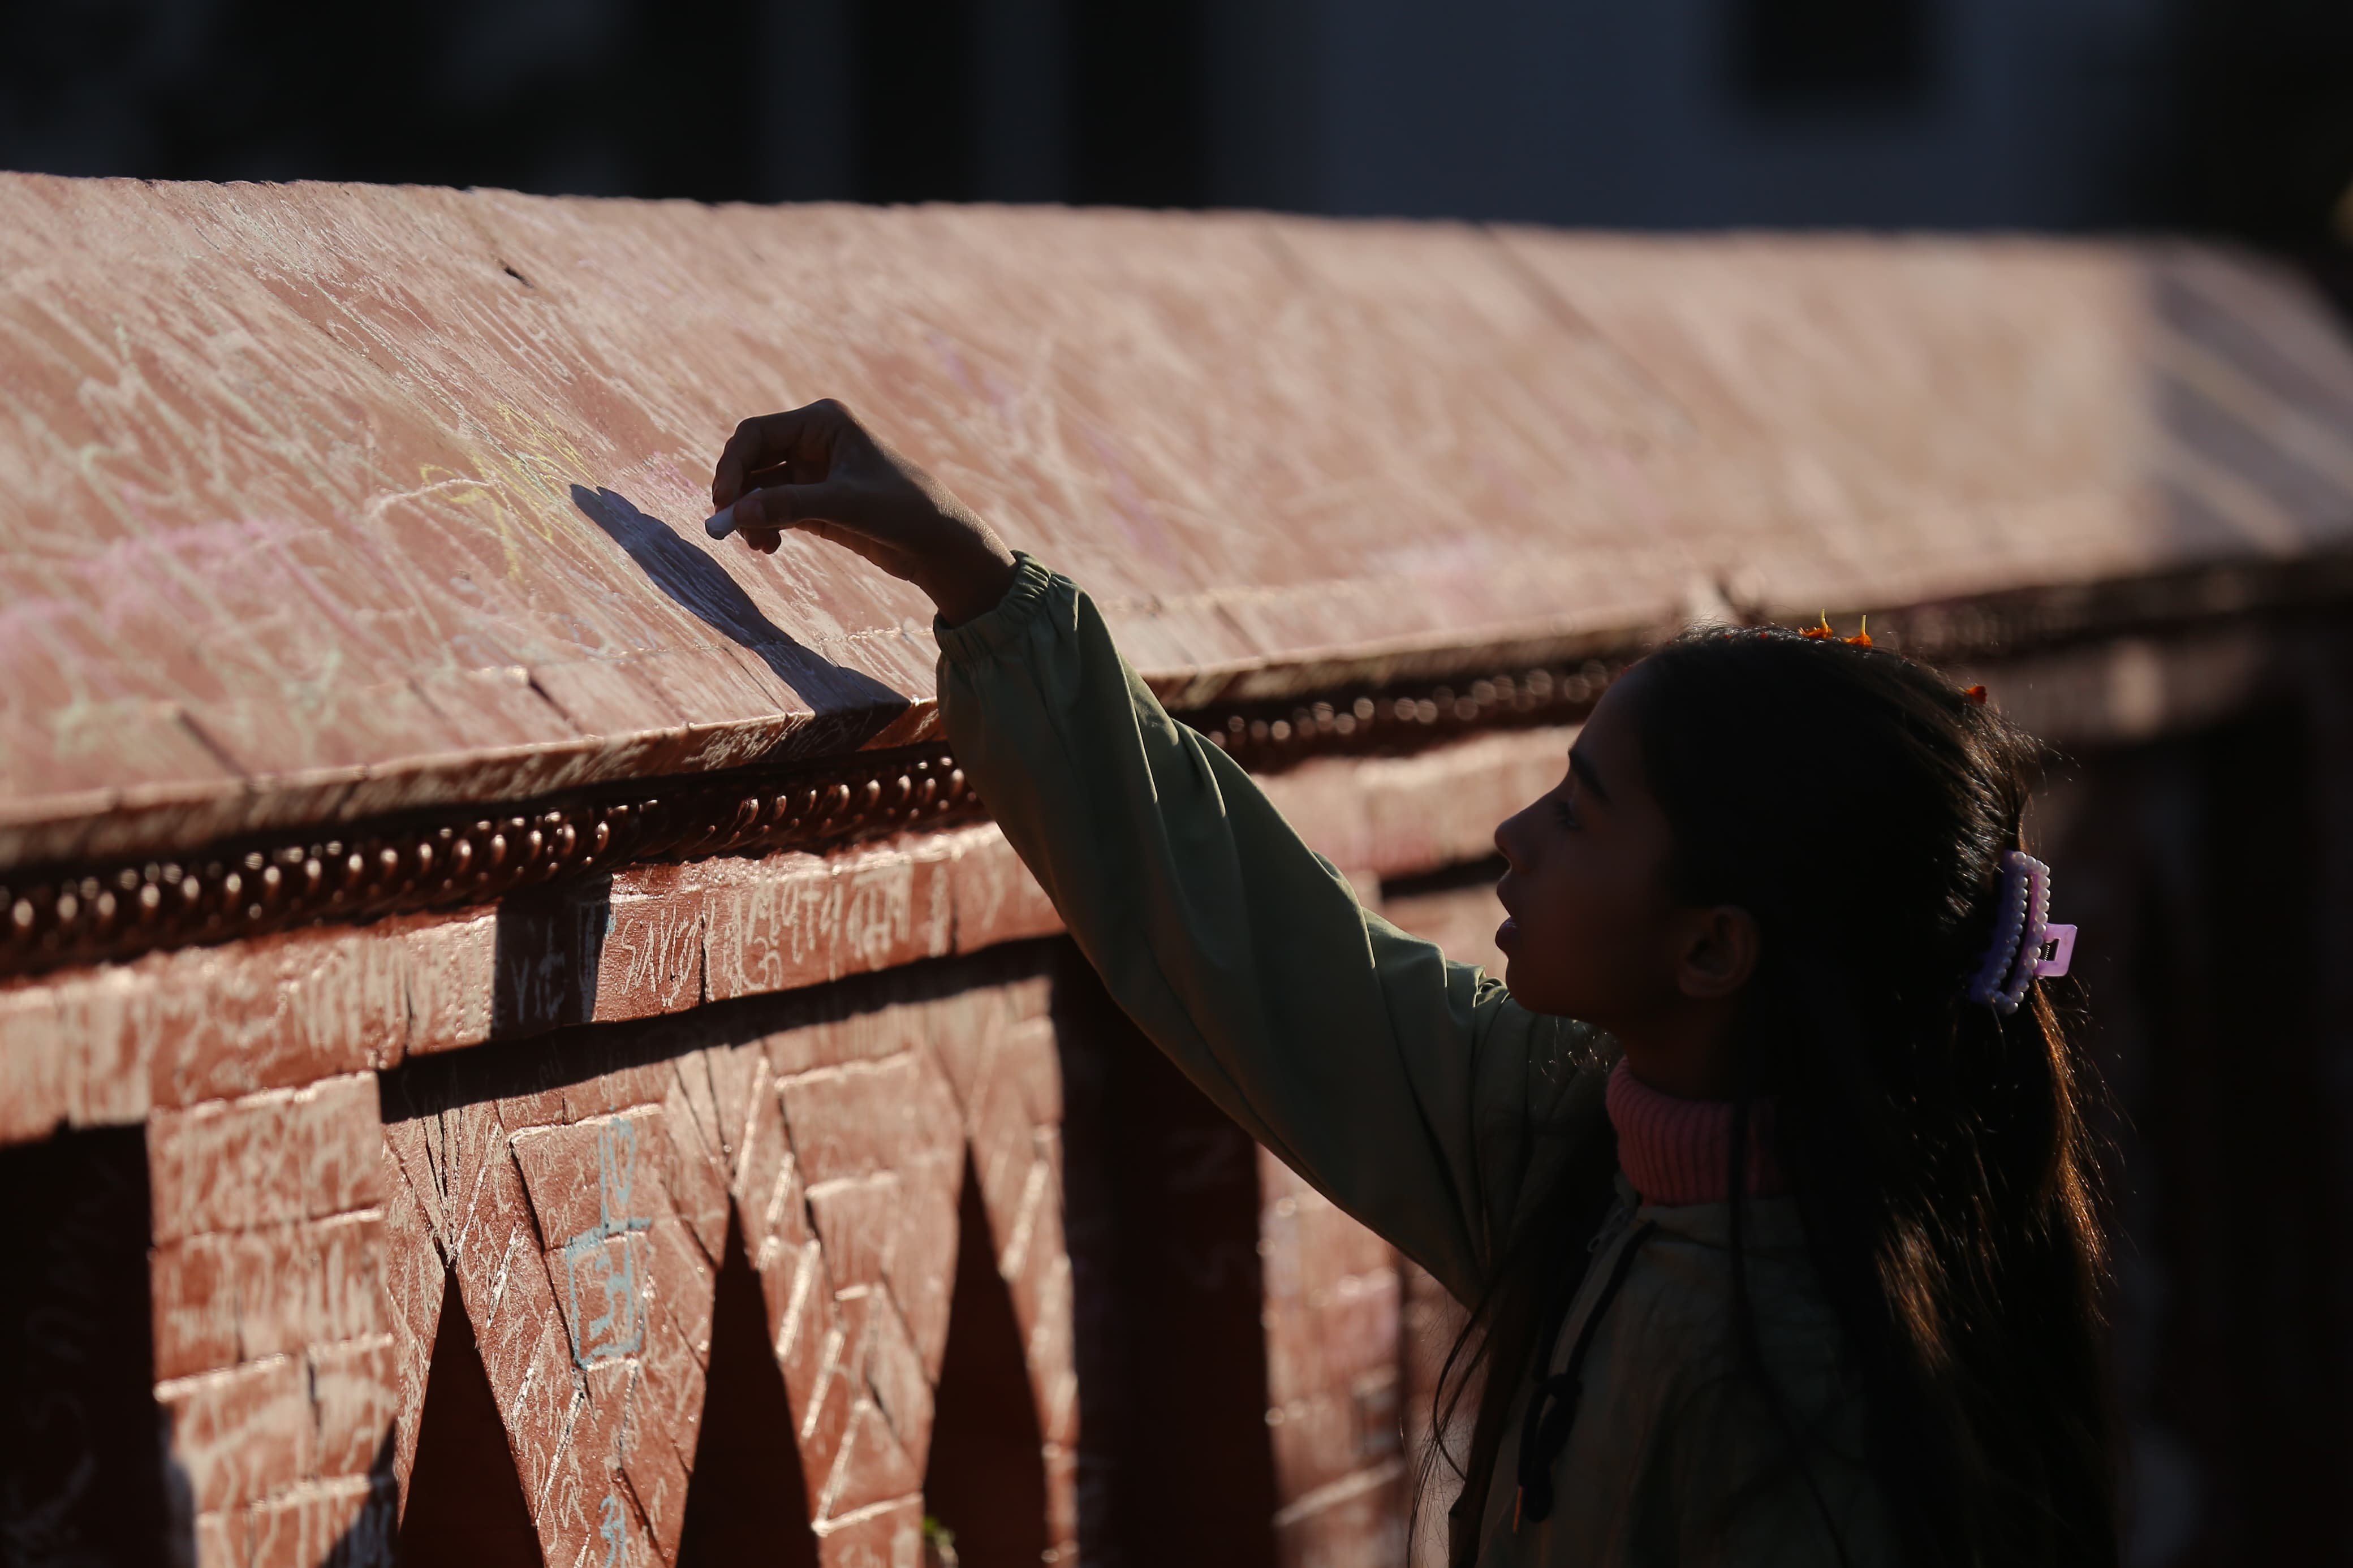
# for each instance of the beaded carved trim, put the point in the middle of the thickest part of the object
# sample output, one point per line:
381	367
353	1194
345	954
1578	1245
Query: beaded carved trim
1267	736
249	887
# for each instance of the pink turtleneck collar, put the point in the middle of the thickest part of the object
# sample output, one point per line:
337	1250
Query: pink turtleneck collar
1679	1151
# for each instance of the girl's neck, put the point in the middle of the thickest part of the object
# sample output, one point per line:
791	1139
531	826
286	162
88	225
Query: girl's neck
1687	1051
1677	1152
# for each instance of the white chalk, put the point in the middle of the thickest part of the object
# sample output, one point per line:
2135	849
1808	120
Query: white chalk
720	525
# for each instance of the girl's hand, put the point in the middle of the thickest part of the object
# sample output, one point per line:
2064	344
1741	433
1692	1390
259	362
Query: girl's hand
818	469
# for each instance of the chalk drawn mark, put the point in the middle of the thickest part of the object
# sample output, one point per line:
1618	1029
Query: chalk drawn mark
600	1266
611	1525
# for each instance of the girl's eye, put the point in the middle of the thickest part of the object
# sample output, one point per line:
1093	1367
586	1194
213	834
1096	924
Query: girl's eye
1566	810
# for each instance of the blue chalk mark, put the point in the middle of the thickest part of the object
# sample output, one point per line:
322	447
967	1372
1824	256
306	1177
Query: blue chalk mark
612	1524
607	1315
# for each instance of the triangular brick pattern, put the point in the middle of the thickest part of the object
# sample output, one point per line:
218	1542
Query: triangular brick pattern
582	1218
1007	1078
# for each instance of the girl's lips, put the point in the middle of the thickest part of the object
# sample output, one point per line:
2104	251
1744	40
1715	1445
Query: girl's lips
1508	932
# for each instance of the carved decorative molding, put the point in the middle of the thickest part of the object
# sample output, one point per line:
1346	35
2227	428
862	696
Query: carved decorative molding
253	886
1266	737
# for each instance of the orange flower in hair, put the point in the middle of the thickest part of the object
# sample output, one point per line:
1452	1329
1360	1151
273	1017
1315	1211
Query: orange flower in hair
1828	633
1976	694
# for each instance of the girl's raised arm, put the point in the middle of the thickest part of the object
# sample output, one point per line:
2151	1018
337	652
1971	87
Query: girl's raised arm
1405	1088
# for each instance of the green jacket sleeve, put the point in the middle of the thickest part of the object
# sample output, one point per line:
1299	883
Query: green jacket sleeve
1411	1091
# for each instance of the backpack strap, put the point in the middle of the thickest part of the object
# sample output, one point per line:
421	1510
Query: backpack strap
1552	1406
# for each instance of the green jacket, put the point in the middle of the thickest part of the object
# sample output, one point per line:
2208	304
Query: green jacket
1415	1094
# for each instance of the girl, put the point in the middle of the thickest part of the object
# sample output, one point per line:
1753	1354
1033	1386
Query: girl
1780	1244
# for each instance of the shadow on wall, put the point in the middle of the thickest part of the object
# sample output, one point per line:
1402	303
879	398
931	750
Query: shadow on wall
79	1479
2223	1056
851	706
549	947
746	1489
1161	1195
985	1482
85	1473
465	1507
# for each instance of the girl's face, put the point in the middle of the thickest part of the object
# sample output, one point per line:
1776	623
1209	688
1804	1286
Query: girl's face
1594	932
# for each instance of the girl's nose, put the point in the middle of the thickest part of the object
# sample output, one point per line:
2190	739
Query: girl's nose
1506	837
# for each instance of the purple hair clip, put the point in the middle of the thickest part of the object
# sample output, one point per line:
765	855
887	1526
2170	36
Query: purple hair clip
2026	946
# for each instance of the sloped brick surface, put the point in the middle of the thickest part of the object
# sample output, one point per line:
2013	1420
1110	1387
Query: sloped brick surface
363	497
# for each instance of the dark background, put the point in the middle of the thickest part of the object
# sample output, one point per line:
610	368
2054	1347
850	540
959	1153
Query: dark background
2229	117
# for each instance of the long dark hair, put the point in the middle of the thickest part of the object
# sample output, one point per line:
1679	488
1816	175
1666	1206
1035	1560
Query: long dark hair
1856	802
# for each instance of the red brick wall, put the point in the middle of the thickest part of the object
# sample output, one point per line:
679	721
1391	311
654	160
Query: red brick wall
276	1371
580	1194
1333	1380
561	1211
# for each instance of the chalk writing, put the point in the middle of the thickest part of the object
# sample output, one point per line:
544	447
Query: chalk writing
610	1525
600	1266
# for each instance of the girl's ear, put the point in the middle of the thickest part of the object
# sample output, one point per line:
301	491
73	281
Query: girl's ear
1719	953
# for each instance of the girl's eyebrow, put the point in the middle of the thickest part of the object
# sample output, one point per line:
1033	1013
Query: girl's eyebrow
1585	775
